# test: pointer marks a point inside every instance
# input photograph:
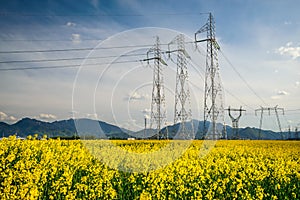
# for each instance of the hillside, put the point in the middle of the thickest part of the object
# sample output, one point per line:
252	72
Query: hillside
63	128
88	128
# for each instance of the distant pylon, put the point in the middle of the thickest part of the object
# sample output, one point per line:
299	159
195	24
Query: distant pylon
224	132
158	106
145	122
213	100
235	121
262	109
182	110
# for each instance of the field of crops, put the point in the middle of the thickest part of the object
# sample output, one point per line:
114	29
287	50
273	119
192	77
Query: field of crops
56	169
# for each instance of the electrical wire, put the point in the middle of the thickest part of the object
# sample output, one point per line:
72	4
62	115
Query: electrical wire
76	49
81	49
238	99
67	59
5	14
113	47
64	59
227	91
47	40
66	66
241	77
292	110
45	50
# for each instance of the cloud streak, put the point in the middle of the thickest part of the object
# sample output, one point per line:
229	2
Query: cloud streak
135	96
76	38
282	93
6	118
70	24
92	115
146	113
47	116
288	49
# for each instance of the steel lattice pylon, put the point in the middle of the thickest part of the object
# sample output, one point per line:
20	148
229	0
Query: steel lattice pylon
213	100
261	110
235	121
158	110
182	110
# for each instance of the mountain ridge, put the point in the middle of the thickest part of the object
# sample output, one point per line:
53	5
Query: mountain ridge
89	128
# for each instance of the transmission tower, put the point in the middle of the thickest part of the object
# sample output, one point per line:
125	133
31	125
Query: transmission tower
235	121
289	133
269	109
296	133
213	102
145	122
224	132
158	111
182	111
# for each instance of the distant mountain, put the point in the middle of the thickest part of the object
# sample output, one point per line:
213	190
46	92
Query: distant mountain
243	133
84	128
99	129
88	128
148	133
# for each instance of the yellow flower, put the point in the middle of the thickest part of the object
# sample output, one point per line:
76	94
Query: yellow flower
58	169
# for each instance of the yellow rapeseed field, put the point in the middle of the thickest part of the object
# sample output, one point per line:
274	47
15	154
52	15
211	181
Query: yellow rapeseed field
57	169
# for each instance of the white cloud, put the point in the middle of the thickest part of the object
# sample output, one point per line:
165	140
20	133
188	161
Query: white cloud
146	113
297	84
70	24
12	119
135	96
92	116
289	44
47	116
76	38
5	117
282	93
288	49
279	94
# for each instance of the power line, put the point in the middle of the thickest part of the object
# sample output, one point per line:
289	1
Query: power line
47	67
45	50
67	59
66	66
231	94
47	40
238	99
113	47
247	84
79	49
5	14
75	49
292	110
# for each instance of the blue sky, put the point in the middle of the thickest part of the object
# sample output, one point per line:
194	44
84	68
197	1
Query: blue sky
259	37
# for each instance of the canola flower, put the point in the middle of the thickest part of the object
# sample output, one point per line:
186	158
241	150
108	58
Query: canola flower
57	169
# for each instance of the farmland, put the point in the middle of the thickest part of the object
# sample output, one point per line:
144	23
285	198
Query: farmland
57	169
